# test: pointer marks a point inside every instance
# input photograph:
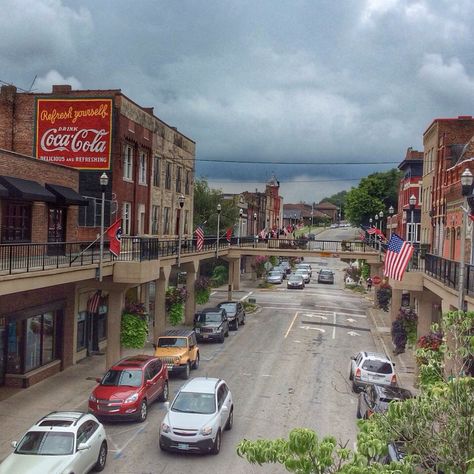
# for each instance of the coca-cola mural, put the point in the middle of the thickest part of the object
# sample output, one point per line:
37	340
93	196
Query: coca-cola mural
74	132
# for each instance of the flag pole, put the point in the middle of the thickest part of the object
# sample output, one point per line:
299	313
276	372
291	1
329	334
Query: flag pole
91	244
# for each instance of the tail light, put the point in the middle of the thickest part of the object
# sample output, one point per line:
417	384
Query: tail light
393	380
358	372
369	413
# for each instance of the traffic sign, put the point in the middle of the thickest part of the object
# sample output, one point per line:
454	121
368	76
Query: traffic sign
376	280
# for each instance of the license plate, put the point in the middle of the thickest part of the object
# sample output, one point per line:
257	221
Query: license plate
183	446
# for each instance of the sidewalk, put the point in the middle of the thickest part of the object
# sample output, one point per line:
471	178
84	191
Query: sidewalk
405	364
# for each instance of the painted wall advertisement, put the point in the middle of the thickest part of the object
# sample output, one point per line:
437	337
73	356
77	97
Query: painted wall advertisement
74	132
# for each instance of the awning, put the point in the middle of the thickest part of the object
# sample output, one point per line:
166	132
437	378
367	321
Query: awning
3	191
26	190
66	195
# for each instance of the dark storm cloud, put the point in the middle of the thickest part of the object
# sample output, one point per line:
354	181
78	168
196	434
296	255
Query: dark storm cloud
289	81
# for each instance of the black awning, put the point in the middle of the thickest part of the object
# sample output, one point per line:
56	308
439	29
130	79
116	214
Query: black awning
26	190
66	195
3	191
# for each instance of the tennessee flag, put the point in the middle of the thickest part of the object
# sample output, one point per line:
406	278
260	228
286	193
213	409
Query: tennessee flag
114	232
228	234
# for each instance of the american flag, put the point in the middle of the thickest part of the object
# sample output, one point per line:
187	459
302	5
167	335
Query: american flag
371	230
199	238
93	302
398	255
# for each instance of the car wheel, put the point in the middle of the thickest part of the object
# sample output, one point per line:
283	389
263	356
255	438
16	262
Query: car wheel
217	443
351	375
165	393
226	334
222	337
196	362
358	414
243	321
102	459
236	324
187	371
143	411
355	389
162	446
230	420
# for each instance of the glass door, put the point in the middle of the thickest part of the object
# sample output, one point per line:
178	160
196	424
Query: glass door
3	336
57	230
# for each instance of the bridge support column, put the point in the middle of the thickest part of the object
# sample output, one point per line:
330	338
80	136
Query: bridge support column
114	348
427	308
159	313
145	295
191	270
395	304
375	269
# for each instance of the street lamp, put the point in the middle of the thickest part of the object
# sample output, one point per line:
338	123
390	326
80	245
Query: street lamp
294	228
412	202
219	209
370	227
466	188
181	204
241	213
255	234
376	226
391	210
278	227
104	181
380	235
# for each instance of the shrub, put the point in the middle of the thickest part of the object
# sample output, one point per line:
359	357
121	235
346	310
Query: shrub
249	307
202	289
133	330
175	298
176	314
409	319
384	295
220	275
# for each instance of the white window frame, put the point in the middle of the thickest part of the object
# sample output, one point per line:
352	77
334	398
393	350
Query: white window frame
155	220
128	163
142	169
126	217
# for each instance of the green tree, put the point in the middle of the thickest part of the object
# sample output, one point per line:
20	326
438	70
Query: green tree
338	199
206	200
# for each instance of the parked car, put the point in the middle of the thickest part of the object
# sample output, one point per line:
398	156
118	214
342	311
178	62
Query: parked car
375	399
286	265
282	270
304	273
311	237
179	350
367	368
129	387
305	266
211	324
68	441
202	409
235	313
326	276
295	281
275	277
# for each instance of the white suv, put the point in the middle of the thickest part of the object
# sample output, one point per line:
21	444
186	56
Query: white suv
61	442
194	422
367	368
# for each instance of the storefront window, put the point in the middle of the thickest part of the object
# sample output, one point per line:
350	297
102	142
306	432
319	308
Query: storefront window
102	322
81	330
33	343
14	344
49	342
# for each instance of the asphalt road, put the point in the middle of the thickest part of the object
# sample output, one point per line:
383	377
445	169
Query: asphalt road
287	367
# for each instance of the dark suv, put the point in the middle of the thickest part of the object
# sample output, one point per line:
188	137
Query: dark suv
375	399
235	313
211	324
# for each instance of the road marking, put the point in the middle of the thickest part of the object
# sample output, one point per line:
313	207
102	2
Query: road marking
353	333
351	320
291	325
120	451
334	328
314	329
265	375
246	296
309	315
297	342
213	293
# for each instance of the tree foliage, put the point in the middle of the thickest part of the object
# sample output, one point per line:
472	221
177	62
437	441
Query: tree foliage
375	193
338	199
206	200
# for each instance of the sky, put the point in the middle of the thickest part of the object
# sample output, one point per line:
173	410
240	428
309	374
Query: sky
320	93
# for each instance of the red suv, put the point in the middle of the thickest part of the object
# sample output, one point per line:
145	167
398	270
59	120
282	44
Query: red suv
129	387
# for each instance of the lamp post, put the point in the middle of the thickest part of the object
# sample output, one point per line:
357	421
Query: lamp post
466	188
219	209
380	236
370	227
104	181
376	226
294	227
278	227
391	210
181	204
412	202
241	213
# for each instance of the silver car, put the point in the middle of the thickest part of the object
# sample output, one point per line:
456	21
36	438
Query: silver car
367	368
202	409
304	273
61	442
275	277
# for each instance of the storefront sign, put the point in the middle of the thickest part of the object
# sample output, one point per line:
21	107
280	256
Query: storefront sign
74	132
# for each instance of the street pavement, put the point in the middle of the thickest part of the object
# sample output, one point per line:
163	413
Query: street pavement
287	367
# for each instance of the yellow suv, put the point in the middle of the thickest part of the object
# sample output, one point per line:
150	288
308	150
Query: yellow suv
178	349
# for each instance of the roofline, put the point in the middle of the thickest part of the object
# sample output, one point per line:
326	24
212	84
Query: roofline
448	119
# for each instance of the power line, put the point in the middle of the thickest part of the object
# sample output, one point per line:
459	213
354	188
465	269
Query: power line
289	182
320	163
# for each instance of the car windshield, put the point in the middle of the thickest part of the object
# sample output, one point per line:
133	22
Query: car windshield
274	274
130	378
191	402
229	307
377	366
209	318
171	342
295	278
46	443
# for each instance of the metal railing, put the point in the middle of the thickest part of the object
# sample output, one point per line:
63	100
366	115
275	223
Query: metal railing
29	257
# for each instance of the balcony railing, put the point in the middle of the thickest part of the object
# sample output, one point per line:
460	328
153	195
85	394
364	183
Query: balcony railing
27	257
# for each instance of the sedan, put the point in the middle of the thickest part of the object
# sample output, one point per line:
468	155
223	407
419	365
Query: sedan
375	399
60	442
304	273
326	276
275	277
295	281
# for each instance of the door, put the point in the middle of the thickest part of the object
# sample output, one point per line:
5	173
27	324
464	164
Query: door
57	230
151	378
3	348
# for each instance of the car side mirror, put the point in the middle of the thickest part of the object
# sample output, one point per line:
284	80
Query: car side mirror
167	406
14	444
353	358
98	380
393	363
83	447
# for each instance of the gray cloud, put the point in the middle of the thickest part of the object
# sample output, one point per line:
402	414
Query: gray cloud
294	80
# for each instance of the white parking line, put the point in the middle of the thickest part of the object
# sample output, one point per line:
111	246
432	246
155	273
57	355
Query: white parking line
291	325
334	327
246	296
120	451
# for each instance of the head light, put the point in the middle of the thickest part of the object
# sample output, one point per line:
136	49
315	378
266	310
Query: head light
206	430
92	398
132	398
165	428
